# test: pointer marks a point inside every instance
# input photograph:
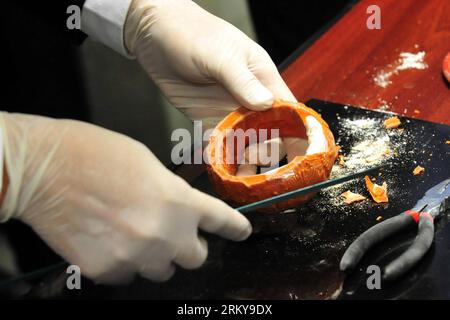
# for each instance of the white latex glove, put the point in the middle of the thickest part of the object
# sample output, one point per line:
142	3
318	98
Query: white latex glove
104	202
204	65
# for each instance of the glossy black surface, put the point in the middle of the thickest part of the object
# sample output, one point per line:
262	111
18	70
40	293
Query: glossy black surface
296	255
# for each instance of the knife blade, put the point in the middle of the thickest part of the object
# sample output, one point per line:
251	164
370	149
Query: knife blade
302	191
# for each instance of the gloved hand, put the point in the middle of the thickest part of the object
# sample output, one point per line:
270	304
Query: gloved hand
104	202
204	65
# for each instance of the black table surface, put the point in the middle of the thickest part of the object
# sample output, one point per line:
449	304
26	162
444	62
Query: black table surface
296	255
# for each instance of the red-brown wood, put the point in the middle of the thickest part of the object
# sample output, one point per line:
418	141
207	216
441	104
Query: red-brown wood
341	64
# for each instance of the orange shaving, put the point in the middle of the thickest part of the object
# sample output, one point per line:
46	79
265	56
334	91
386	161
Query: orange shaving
392	123
351	197
341	161
378	193
418	170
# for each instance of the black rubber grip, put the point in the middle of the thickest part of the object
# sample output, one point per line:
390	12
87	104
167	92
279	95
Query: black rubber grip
415	252
372	236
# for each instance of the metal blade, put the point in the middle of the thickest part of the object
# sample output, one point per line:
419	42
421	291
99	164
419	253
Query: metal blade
309	189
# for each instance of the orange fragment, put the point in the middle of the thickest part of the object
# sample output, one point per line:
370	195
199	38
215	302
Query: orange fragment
378	193
418	170
351	197
392	123
446	66
341	161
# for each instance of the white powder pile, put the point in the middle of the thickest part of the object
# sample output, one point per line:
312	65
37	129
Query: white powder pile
370	145
410	60
368	152
406	61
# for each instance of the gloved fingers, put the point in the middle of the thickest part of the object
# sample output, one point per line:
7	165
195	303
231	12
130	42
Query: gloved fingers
193	255
245	87
266	71
279	88
122	274
219	218
209	117
104	268
158	272
209	103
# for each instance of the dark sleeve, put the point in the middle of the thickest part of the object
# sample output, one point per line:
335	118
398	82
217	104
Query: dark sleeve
54	14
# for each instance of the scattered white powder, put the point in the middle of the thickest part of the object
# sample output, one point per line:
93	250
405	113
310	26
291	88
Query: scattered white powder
412	61
368	152
383	77
383	105
370	145
359	125
331	196
406	61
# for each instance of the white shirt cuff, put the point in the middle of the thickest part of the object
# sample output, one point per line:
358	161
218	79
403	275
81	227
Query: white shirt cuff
104	21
